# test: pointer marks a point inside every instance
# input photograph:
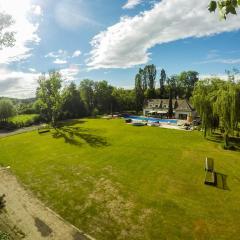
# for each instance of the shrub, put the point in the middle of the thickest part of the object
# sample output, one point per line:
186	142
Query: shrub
95	112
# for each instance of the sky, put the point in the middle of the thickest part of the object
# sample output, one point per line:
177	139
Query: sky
111	39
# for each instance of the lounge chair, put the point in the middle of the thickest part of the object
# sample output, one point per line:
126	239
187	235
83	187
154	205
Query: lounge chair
209	164
209	172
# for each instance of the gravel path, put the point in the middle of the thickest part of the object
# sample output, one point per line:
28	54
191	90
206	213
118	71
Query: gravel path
4	133
25	217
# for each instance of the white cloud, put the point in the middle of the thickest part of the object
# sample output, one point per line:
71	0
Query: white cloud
18	84
32	69
26	31
127	43
59	61
58	54
77	53
69	74
131	4
37	10
221	60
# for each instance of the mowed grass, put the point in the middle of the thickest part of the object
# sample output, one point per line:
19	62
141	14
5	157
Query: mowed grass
116	181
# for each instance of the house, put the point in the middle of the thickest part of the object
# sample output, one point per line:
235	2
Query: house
182	109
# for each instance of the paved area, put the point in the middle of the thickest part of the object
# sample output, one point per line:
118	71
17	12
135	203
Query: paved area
4	133
25	217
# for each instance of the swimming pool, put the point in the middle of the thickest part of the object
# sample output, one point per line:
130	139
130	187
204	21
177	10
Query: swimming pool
174	121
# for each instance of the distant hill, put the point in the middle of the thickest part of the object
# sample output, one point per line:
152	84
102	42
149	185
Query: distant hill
17	101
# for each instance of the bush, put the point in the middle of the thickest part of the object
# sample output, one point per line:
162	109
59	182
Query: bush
21	121
95	112
4	236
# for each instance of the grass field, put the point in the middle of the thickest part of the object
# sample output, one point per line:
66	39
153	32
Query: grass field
116	181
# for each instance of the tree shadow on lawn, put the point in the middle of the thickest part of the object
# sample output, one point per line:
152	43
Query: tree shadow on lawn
70	122
75	135
234	142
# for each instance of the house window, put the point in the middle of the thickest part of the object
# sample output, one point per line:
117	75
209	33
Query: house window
156	106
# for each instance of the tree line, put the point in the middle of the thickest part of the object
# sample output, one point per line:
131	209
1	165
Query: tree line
89	98
172	87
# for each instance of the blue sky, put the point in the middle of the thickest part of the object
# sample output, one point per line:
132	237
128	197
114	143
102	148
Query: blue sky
109	40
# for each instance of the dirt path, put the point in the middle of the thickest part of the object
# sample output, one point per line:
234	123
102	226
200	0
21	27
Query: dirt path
18	131
27	218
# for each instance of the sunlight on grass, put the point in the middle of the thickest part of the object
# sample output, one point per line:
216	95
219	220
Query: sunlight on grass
116	181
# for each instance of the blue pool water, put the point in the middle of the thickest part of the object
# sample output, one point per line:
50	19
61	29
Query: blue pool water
152	119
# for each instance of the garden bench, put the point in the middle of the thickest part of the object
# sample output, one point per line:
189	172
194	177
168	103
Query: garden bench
43	129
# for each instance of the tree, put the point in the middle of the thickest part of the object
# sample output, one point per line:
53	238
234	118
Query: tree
217	102
188	80
103	96
49	98
139	94
87	94
170	105
203	102
162	81
123	100
172	84
6	110
144	79
226	107
150	73
73	106
6	37
224	7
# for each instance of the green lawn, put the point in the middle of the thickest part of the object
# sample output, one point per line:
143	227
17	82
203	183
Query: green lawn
116	181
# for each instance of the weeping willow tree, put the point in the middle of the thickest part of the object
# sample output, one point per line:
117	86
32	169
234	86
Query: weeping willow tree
218	101
227	107
202	100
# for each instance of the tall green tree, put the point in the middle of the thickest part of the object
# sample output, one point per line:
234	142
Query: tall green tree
226	107
162	81
87	94
139	94
103	96
151	72
170	104
143	75
124	99
6	110
218	101
188	80
172	85
49	98
73	106
202	99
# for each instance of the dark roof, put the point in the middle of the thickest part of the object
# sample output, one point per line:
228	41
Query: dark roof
183	104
